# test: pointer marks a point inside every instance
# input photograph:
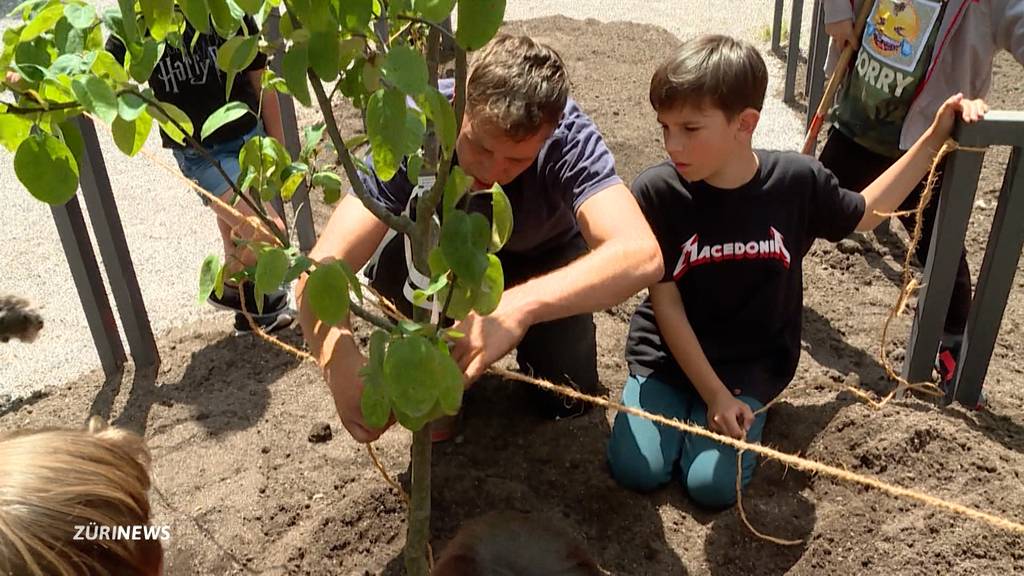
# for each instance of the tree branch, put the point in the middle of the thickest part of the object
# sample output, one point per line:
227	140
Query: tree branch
433	25
378	321
279	234
399	222
20	111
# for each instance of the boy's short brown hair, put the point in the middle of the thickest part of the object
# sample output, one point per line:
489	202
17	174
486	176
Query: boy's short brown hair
713	70
518	84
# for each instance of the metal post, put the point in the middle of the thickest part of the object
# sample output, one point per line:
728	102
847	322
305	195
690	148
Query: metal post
955	202
816	62
1006	239
303	213
117	260
777	26
793	53
85	271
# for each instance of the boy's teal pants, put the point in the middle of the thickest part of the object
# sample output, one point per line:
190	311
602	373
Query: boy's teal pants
642	455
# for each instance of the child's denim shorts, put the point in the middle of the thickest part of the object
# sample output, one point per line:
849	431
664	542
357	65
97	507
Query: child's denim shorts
201	171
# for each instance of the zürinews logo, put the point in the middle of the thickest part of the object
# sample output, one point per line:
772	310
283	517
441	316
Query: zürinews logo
92	531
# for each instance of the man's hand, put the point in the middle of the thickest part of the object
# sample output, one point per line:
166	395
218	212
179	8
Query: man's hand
488	338
842	34
969	110
730	416
342	376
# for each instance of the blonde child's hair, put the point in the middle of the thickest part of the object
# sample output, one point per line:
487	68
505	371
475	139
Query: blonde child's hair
54	480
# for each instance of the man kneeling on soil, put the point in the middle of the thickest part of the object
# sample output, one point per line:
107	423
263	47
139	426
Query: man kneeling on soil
579	242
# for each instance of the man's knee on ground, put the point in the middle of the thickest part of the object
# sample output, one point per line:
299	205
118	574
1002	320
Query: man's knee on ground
630	468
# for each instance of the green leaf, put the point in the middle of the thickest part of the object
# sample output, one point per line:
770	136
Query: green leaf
46	167
436	106
413	371
106	65
293	176
394	131
250	7
227	17
42	22
327	290
130	106
96	97
413	169
197	13
270	270
311	137
175	113
80	16
355	15
300	265
353	282
455	188
331	184
374	403
142	59
227	113
433	10
451	384
208	273
406	69
420	296
464	239
437	263
501	218
478	20
130	26
130	135
323	54
159	15
293	69
489	293
462	300
13	130
234	56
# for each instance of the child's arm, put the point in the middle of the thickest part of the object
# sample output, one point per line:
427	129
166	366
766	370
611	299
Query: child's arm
726	414
886	193
271	108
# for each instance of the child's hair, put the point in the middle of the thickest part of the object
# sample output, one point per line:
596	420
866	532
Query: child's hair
55	480
511	543
713	70
518	84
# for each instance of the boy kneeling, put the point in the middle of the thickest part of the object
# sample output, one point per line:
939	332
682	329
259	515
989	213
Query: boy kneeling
719	337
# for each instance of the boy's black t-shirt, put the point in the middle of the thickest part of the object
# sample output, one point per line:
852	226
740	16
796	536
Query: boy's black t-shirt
191	80
736	257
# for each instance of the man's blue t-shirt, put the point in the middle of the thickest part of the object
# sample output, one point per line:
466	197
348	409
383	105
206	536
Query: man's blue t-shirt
573	165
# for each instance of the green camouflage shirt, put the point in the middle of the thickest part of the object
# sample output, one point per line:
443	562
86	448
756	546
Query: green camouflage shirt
895	52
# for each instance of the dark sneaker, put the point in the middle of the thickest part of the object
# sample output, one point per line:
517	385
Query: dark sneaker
268	324
946	366
273	303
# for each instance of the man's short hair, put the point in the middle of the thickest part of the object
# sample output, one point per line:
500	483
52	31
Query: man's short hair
713	70
518	84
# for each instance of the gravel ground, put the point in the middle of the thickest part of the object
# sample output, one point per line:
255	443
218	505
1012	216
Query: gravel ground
169	232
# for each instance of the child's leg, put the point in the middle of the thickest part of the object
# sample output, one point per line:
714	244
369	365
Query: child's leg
709	468
642	454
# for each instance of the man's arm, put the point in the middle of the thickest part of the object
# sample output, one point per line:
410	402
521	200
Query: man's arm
889	190
624	258
726	414
352	234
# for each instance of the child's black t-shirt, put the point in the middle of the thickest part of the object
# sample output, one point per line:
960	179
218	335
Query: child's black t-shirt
191	80
736	258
